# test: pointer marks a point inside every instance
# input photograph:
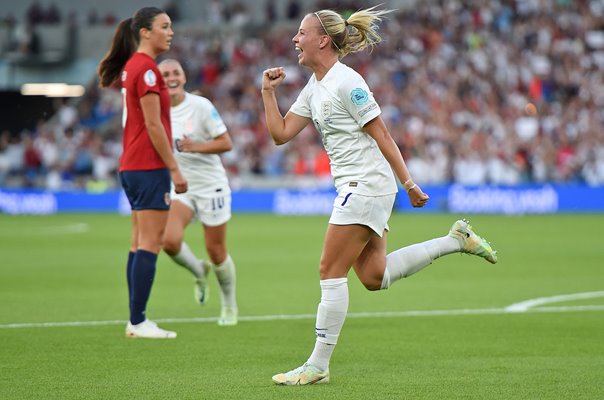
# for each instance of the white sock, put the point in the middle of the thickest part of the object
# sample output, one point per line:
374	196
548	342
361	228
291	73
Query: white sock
408	260
227	278
331	314
187	259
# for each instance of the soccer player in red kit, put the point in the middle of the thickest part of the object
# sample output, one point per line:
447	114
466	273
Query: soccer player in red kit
147	165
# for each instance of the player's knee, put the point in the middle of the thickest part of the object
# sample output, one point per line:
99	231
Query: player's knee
331	271
371	280
324	272
372	285
171	245
217	254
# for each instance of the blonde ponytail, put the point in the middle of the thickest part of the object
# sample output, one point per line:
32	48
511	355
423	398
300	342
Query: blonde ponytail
354	34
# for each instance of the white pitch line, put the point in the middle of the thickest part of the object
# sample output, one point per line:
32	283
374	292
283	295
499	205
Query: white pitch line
291	317
79	227
72	228
528	304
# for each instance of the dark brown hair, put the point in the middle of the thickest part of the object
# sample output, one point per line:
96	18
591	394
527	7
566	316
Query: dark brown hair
124	44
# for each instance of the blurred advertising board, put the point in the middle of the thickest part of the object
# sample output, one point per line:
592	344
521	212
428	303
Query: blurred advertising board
517	200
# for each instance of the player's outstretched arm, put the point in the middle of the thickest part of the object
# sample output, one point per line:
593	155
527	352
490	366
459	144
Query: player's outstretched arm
282	129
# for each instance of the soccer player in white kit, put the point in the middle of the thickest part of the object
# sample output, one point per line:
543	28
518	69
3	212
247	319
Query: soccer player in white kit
364	159
199	136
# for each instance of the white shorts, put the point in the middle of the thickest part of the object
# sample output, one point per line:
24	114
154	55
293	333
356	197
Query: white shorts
211	211
371	211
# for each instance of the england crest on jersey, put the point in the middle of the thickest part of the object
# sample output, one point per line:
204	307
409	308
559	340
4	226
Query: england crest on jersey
326	110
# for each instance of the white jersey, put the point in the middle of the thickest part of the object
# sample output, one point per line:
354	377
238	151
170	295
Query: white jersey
197	118
340	105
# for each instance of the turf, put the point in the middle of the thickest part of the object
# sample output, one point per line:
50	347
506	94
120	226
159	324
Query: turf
70	268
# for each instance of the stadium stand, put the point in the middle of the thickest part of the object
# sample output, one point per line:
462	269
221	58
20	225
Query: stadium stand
501	92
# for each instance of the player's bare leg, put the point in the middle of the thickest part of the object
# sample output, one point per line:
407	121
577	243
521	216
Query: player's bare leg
343	244
179	217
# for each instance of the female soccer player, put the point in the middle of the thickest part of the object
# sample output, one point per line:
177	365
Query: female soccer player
200	136
363	157
147	164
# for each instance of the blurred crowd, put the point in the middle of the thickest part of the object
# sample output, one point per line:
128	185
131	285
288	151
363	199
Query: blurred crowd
474	92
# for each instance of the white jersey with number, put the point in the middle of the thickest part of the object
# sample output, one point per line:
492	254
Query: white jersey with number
340	105
197	118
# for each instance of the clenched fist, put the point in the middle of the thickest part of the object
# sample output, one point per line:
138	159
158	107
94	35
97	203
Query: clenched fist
272	77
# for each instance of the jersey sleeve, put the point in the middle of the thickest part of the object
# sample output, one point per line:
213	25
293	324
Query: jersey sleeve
358	100
301	106
148	81
210	118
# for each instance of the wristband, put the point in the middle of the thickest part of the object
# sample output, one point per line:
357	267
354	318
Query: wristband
408	185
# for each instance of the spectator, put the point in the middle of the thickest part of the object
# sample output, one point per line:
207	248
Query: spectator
35	13
5	136
92	17
270	10
27	41
293	10
171	8
32	162
52	14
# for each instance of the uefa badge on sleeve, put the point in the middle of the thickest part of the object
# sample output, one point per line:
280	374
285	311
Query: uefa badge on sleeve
150	78
359	96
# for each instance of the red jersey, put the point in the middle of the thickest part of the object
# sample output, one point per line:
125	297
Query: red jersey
139	77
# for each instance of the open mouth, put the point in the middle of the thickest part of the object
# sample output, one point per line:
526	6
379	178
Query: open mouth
173	85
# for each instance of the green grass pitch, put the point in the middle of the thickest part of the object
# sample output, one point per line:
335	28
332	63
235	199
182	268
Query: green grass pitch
413	341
